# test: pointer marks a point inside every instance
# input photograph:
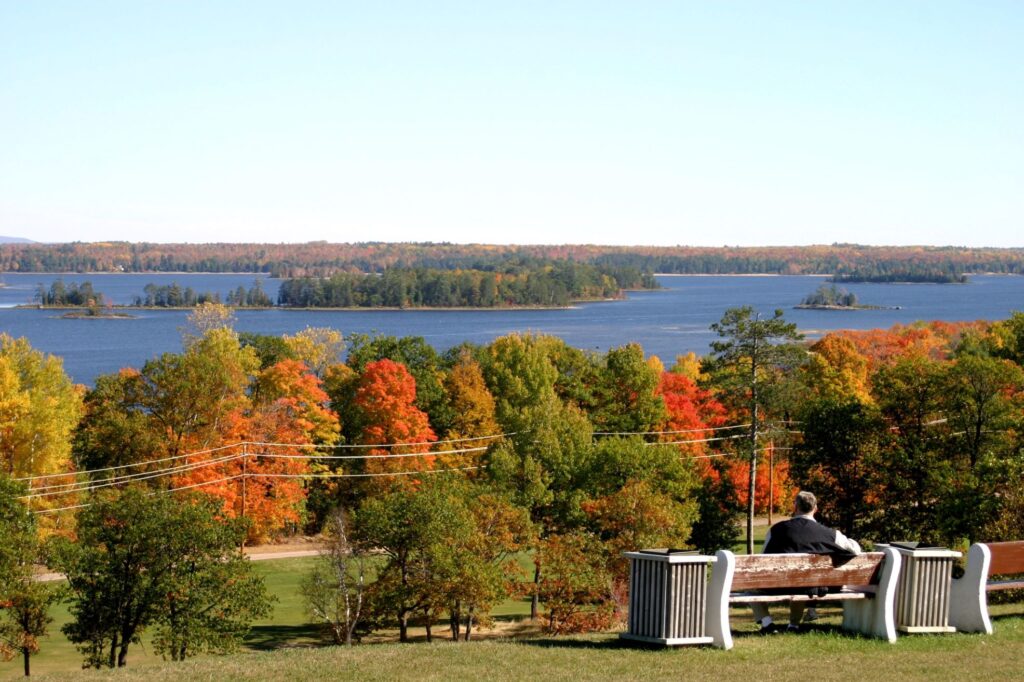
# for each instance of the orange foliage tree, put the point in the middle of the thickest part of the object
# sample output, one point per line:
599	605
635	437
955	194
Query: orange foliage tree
283	407
691	409
385	399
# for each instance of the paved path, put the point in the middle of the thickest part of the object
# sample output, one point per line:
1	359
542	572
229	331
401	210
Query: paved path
255	554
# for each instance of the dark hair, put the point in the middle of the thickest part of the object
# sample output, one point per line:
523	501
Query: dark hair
805	502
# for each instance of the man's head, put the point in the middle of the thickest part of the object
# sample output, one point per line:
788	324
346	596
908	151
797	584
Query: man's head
805	503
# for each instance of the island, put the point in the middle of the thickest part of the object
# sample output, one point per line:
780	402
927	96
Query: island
96	314
831	297
911	275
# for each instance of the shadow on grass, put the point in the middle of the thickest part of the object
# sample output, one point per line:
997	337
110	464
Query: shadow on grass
611	643
1006	616
268	637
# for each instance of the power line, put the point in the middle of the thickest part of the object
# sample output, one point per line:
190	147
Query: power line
263	444
390	455
127	466
366	475
669	433
699	440
84	486
257	476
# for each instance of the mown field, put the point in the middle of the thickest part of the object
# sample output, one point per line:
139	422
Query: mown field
823	654
286	646
286	628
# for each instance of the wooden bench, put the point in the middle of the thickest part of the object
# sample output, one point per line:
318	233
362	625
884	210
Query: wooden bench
867	585
968	610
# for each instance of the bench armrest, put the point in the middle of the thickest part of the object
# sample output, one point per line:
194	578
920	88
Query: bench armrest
716	618
968	599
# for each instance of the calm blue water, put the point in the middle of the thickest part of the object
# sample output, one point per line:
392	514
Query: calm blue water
667	323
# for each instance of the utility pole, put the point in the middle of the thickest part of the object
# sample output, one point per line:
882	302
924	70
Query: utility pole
752	482
245	478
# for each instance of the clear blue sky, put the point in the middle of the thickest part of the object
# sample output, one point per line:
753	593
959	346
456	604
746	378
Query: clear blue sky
646	122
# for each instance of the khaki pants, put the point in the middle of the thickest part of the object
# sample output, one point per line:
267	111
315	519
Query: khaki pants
796	611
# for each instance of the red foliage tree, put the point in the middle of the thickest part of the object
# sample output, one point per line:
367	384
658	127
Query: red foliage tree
385	399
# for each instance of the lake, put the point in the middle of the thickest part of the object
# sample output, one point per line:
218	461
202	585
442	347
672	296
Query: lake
668	322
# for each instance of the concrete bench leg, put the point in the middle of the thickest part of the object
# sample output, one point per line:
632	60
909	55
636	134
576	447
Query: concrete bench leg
968	599
877	617
716	618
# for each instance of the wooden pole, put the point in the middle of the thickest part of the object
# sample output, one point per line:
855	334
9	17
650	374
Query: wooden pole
245	477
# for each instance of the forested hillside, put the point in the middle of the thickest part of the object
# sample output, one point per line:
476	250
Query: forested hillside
438	470
322	258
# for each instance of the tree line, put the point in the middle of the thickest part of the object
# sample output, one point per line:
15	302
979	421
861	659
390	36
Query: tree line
557	284
322	259
429	473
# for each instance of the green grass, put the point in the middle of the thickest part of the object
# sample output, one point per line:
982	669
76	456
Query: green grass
826	653
286	627
286	646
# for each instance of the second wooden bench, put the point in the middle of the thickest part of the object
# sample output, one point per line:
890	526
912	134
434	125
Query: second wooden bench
969	597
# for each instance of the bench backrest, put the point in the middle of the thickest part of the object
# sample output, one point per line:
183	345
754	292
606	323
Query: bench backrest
1007	557
772	571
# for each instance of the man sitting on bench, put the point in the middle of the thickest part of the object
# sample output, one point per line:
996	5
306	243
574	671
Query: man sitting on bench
801	535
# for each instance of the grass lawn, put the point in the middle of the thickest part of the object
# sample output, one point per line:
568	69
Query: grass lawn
286	646
823	654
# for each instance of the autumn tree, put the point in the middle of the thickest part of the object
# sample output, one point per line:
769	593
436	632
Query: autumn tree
318	347
27	620
191	397
575	588
206	317
489	572
386	403
39	409
473	406
746	364
263	482
836	369
420	360
690	410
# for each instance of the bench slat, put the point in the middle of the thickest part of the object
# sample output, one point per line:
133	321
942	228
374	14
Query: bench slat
747	598
1007	557
1005	585
793	571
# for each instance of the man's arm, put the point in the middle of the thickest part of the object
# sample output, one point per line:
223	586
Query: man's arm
851	546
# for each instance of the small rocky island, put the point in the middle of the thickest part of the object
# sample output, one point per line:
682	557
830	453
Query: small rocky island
96	314
831	297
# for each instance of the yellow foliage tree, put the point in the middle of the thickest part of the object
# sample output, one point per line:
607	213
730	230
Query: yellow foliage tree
318	347
39	409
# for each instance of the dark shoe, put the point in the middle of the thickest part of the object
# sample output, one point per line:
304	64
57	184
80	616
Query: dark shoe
791	628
